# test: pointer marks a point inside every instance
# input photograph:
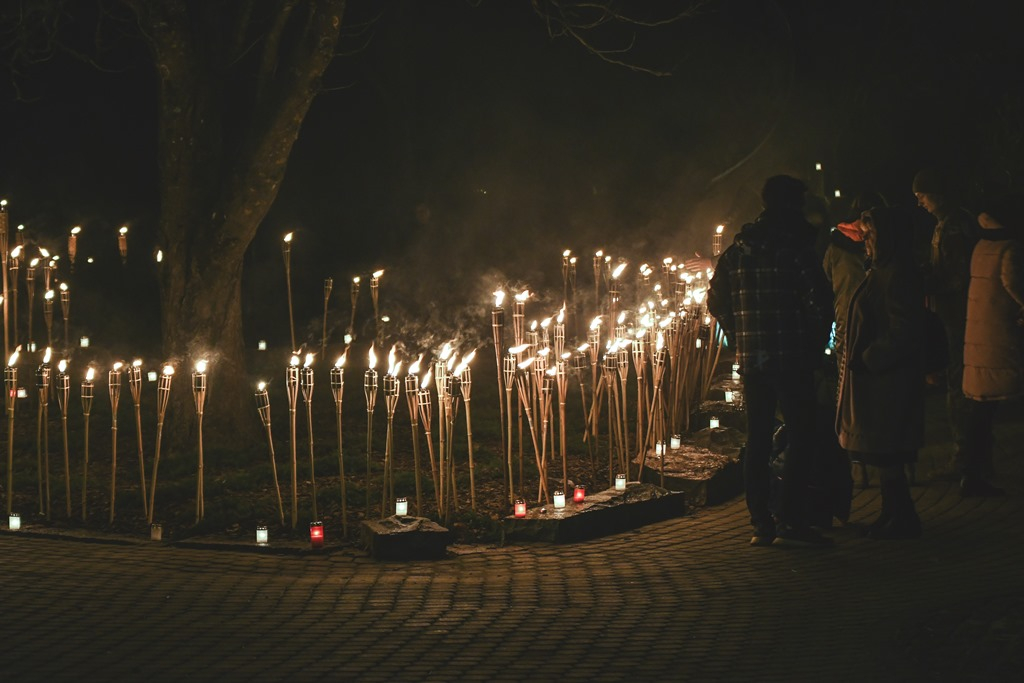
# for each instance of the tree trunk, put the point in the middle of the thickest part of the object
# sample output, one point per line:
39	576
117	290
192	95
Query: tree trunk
228	115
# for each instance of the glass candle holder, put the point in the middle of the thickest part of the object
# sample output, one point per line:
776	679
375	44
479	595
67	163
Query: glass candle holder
728	397
14	521
620	482
579	494
559	497
262	535
316	535
676	442
713	423
520	508
401	507
156	532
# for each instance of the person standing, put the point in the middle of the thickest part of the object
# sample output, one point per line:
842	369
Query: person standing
994	336
947	274
880	412
771	298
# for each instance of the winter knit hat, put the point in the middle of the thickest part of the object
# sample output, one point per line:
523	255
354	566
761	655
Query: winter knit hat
1007	210
930	181
783	192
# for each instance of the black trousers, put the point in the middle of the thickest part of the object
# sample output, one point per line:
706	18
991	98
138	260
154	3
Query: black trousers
792	392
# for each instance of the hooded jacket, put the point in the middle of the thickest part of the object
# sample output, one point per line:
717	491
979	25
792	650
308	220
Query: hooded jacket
994	339
844	266
770	294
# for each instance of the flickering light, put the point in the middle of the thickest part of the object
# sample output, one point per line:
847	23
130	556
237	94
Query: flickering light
401	507
14	521
262	535
559	499
579	494
156	532
520	508
261	345
713	423
84	342
316	535
620	482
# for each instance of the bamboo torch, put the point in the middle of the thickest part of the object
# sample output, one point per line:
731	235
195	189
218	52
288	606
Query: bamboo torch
13	264
43	435
199	398
306	383
498	334
114	390
370	393
375	296
48	315
122	244
134	372
426	417
63	391
338	389
411	387
65	309
292	384
355	300
465	385
73	245
4	234
391	391
163	395
263	408
286	253
87	396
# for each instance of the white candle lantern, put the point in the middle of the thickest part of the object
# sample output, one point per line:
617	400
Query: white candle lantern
620	482
559	499
676	442
152	376
401	507
714	423
14	521
262	535
728	397
261	345
22	392
659	448
84	342
735	370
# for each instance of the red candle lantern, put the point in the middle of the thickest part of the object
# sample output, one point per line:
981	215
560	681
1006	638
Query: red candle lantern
520	507
579	494
316	535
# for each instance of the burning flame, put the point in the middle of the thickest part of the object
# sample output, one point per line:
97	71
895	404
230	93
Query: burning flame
719	229
468	358
622	318
168	370
667	260
567	253
618	270
595	323
561	315
33	263
44	252
62	366
523	295
123	230
373	358
288	237
201	366
526	363
425	384
660	344
137	363
261	386
309	360
46	356
518	349
545	323
583	348
451	361
63	286
90	374
294	362
414	368
75	230
117	366
599	253
159	255
392	365
573	260
340	363
499	297
49	295
446	351
377	274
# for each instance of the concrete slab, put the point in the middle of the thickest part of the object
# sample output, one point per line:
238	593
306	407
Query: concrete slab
404	538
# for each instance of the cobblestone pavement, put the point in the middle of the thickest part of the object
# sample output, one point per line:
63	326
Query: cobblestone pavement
685	599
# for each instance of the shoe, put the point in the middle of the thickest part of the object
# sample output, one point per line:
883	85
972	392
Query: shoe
974	487
764	535
796	537
897	529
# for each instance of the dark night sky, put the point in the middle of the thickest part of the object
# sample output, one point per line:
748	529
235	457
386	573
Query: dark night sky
465	135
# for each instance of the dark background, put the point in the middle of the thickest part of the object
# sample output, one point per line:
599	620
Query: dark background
463	148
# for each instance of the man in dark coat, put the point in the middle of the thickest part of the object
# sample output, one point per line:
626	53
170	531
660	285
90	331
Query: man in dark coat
771	298
947	274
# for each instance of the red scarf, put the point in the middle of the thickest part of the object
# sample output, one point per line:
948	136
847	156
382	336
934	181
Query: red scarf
855	230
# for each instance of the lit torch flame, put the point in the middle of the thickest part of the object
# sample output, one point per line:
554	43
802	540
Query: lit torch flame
62	366
499	297
90	374
201	366
372	357
340	363
414	368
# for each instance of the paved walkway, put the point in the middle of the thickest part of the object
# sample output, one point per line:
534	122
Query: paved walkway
683	599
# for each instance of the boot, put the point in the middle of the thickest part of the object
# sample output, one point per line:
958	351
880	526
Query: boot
903	522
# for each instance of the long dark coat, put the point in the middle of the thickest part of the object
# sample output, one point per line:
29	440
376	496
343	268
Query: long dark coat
881	393
994	340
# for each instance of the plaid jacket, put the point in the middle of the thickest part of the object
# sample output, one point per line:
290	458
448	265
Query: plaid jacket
770	295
